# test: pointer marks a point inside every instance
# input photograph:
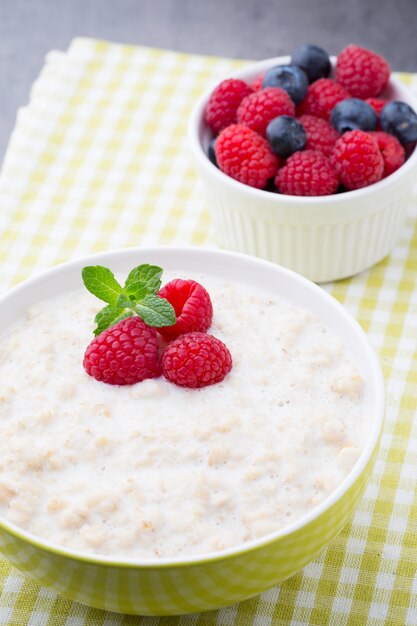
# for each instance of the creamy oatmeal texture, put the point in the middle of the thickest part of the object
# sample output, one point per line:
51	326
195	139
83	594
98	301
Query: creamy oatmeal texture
153	470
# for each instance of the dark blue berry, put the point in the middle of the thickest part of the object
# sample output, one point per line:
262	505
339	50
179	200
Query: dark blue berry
290	78
399	119
313	60
353	114
211	151
286	135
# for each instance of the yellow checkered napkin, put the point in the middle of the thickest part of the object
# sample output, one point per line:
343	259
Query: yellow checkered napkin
98	160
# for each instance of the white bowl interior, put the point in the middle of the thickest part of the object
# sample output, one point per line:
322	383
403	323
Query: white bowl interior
232	266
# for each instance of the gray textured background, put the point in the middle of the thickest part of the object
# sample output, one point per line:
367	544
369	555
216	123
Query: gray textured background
237	28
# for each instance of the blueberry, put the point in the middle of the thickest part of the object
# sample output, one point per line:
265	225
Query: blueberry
286	135
290	78
399	119
313	60
353	114
211	151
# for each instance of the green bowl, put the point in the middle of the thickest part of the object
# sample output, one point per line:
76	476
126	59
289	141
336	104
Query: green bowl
199	583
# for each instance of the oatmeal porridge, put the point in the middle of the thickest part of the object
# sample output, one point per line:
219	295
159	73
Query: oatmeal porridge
155	470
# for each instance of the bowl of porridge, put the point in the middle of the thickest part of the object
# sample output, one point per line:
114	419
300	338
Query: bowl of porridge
155	499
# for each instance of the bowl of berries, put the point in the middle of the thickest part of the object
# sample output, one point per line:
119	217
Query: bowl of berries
308	160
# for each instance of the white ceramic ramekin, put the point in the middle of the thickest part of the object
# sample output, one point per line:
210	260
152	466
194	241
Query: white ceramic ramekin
324	238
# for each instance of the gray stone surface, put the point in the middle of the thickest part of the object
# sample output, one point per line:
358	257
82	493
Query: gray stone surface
236	28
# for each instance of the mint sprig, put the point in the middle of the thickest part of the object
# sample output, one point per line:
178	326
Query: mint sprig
137	297
150	275
102	283
109	316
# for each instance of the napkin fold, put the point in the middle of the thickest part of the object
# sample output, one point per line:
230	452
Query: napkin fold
97	160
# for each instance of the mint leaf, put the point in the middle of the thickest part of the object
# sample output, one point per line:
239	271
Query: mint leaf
100	281
137	297
123	301
137	290
156	311
150	275
109	316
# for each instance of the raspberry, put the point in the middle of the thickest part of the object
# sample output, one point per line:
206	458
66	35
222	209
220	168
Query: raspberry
192	306
257	83
321	97
362	72
377	104
223	103
259	108
124	354
307	173
357	160
321	135
392	151
245	156
196	360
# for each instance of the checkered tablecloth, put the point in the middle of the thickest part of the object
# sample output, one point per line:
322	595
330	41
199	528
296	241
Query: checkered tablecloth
98	160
